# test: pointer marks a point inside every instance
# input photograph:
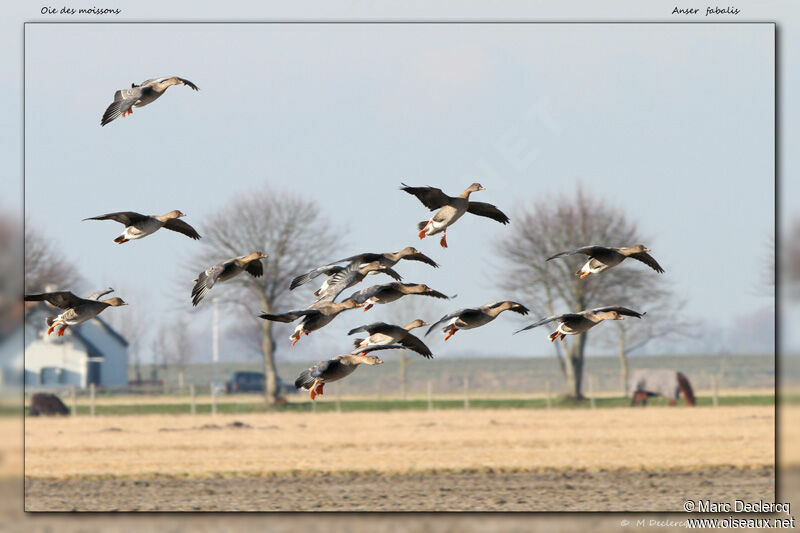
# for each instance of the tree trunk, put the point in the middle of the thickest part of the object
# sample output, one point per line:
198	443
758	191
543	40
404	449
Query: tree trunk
403	373
623	365
271	392
573	366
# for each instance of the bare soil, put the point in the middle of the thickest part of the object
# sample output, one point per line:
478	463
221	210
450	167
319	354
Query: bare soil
529	491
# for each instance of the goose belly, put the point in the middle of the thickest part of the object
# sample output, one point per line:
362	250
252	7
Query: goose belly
575	327
380	339
142	229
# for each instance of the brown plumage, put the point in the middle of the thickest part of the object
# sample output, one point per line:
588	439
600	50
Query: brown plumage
450	209
602	258
138	226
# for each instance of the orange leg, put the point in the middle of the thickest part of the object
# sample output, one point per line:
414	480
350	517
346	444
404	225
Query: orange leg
320	387
50	329
553	336
367	308
295	337
563	336
584	274
61	331
450	333
422	233
443	242
312	391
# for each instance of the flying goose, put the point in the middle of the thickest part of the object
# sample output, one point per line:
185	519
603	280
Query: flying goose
602	258
251	263
386	259
381	333
140	95
576	323
389	292
336	368
474	317
138	226
450	209
76	309
318	315
342	278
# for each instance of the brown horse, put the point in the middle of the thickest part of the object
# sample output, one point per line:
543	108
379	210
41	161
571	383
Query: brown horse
659	382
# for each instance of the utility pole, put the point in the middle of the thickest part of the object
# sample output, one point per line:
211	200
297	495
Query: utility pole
215	340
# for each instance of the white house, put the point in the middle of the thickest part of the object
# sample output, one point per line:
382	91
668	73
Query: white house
91	352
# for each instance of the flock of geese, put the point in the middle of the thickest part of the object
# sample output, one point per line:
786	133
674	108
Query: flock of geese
343	274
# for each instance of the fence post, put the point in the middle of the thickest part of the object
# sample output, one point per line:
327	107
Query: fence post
466	392
714	391
192	393
91	399
74	397
591	391
548	394
430	395
213	398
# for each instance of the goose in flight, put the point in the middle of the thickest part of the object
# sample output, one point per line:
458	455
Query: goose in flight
76	309
389	292
138	226
475	317
381	333
250	263
339	367
318	315
386	259
140	95
602	258
342	278
450	209
576	323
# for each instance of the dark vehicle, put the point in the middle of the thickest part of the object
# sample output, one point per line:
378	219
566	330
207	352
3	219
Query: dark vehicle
252	382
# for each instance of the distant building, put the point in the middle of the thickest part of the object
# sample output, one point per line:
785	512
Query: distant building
92	352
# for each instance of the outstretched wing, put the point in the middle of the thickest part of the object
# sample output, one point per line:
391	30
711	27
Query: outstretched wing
548	320
186	82
255	268
207	279
414	343
419	256
648	260
60	299
621	310
431	197
289	316
482	209
123	101
328	270
447	317
123	217
376	347
375	327
516	307
591	251
180	226
97	294
365	294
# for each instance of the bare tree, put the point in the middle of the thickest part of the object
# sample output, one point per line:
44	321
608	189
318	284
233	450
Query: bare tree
45	266
295	235
665	320
557	224
11	274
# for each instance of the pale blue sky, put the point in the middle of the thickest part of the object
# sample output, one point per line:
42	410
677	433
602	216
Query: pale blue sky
678	108
671	122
